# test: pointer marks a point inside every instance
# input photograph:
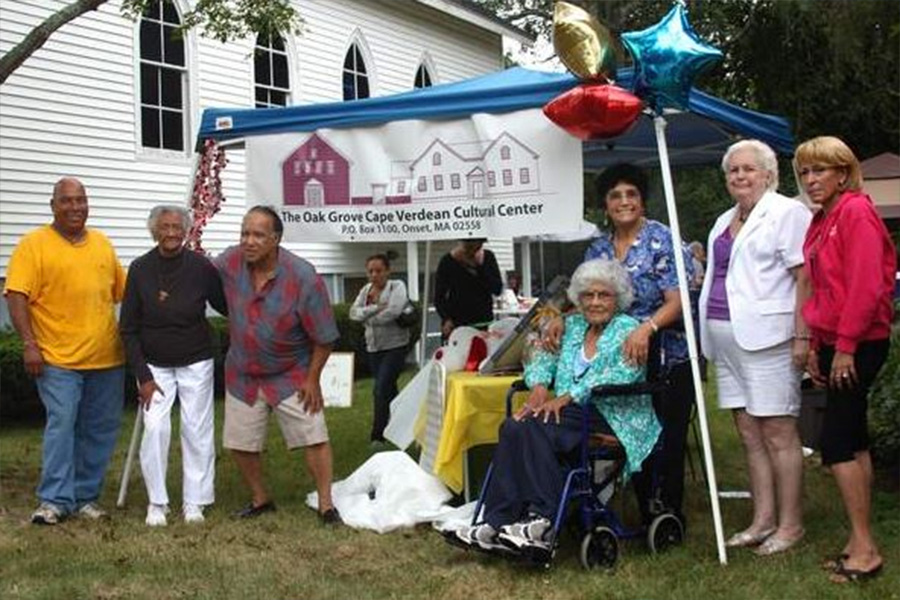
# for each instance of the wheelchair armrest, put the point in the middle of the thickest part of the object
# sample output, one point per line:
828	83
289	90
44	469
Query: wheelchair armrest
628	389
517	386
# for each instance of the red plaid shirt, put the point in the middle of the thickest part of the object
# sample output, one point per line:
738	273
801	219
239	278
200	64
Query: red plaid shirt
272	331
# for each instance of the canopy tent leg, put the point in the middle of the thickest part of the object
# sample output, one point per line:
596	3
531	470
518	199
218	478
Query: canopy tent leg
526	269
423	341
541	257
660	126
412	270
412	288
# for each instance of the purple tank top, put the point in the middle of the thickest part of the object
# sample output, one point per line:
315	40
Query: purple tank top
717	303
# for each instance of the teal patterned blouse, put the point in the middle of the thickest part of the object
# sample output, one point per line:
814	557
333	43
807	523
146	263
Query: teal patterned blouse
631	418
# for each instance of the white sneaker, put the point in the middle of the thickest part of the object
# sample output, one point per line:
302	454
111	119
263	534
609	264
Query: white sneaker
92	511
532	532
193	513
46	514
156	515
480	537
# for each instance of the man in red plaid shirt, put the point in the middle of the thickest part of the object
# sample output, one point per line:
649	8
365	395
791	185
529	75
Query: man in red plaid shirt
281	332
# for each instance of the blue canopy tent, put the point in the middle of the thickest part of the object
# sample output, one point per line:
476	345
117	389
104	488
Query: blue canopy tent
699	135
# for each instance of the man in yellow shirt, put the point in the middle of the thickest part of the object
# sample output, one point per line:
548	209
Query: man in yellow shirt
62	284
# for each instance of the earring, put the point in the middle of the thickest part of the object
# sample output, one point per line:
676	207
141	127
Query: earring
606	220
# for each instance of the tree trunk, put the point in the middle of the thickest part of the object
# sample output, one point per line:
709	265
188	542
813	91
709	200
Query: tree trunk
11	61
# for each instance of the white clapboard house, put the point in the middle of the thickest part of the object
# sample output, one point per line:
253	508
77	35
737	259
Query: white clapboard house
117	103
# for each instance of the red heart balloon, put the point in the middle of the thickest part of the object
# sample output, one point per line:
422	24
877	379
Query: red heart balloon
591	111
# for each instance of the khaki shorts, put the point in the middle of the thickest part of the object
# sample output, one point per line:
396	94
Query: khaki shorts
246	426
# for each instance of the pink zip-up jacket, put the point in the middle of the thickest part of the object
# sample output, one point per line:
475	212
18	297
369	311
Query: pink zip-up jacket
852	263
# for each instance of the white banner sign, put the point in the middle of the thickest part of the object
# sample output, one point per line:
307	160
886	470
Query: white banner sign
489	176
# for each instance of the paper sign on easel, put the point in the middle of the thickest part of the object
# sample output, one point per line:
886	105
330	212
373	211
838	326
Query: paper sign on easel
337	379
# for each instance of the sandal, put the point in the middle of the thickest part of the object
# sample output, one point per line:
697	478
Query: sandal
830	563
844	575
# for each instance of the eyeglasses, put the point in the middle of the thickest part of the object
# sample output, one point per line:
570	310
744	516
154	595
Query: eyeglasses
603	296
815	170
630	194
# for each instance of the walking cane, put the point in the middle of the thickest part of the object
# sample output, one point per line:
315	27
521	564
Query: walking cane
129	460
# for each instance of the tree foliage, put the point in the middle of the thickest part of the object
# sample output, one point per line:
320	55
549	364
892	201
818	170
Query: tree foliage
830	66
222	20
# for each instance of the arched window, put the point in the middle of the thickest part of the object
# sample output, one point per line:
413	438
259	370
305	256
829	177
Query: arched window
270	66
163	78
356	79
423	77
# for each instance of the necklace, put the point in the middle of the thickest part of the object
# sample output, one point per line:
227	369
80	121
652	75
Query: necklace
167	276
622	243
743	215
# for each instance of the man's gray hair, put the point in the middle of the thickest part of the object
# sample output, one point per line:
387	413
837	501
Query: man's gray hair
159	210
765	159
608	273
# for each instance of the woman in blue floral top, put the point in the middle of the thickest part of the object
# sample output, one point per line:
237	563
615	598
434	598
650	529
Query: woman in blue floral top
528	476
644	247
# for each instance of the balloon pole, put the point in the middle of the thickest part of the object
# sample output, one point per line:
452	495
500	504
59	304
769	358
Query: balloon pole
660	126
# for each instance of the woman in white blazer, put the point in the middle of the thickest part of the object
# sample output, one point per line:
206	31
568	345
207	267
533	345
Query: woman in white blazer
751	328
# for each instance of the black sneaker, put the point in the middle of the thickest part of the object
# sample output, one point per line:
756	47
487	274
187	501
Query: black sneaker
250	511
331	517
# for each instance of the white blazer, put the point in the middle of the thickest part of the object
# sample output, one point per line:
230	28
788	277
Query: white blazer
760	288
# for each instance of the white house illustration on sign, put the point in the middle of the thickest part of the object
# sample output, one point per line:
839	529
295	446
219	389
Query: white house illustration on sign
317	174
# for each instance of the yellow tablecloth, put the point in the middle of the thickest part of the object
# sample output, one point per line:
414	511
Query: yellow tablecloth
474	408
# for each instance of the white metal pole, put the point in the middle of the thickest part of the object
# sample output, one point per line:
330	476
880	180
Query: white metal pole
424	337
412	269
526	269
660	126
541	257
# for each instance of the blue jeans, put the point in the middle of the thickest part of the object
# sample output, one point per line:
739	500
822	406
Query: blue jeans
84	412
386	367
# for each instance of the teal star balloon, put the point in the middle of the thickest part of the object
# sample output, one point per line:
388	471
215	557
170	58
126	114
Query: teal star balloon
667	58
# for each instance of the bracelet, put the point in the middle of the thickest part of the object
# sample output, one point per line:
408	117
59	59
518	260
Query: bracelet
803	337
29	343
653	325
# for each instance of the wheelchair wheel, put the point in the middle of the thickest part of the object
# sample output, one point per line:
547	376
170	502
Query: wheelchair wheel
599	548
665	531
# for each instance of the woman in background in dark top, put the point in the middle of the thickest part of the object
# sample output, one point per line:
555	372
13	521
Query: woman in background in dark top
467	279
168	342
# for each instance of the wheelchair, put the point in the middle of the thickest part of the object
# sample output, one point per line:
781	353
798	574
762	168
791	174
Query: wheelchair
587	489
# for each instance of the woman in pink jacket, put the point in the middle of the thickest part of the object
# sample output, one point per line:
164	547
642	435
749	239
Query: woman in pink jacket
851	264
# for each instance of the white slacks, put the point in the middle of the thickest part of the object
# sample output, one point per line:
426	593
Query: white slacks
193	385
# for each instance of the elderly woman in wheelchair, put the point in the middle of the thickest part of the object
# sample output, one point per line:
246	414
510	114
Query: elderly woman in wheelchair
530	465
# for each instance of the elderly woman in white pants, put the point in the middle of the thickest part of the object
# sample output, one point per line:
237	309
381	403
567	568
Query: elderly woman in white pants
750	325
168	342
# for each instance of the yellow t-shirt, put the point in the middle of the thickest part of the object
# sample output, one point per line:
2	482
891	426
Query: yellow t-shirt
72	291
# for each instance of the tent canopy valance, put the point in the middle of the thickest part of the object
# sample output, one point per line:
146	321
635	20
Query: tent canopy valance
698	135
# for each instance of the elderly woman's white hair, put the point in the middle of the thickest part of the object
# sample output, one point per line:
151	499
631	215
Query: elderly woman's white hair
157	211
765	159
608	273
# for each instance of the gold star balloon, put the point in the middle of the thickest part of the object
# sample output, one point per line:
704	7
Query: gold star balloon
582	43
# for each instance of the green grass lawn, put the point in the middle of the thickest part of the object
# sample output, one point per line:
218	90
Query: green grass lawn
290	555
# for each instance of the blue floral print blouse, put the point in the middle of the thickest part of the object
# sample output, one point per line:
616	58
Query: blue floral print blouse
631	418
651	263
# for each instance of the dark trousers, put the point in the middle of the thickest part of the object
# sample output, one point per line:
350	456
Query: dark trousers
531	462
673	409
845	428
386	367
